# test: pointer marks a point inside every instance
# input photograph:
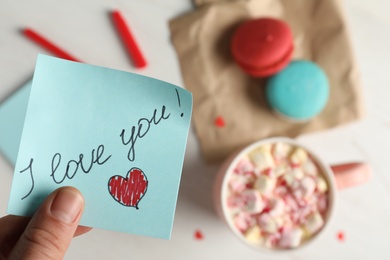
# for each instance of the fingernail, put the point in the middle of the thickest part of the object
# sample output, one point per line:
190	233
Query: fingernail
67	205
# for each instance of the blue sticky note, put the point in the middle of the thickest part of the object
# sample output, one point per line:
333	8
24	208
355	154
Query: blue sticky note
118	137
12	114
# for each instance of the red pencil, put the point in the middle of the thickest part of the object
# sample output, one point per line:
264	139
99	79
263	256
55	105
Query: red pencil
40	40
128	40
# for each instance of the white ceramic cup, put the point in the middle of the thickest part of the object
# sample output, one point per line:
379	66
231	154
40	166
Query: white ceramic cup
337	177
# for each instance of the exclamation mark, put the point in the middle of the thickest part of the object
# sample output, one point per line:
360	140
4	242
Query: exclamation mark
178	99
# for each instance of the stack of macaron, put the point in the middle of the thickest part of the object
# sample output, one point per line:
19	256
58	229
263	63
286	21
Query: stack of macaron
297	90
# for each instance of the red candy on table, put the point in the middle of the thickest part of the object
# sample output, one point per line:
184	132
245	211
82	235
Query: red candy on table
341	236
198	235
219	122
262	47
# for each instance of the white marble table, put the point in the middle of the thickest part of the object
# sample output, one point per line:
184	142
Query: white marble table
84	28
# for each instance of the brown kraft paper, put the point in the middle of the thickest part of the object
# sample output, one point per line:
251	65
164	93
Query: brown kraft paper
202	42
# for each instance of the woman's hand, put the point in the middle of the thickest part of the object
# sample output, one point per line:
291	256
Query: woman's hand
47	235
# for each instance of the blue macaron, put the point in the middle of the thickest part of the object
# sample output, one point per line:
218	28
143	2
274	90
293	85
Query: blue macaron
299	92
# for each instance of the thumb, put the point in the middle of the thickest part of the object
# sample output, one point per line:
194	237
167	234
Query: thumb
51	229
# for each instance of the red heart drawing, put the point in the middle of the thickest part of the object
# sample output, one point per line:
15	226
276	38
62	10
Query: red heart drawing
130	190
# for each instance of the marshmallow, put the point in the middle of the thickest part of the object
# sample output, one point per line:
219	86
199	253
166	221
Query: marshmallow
244	166
298	156
305	188
280	222
308	185
272	240
235	203
277	207
291	203
281	169
262	158
238	183
303	212
310	168
292	176
322	203
232	201
281	190
294	217
314	223
253	202
257	172
253	235
242	221
321	185
289	178
265	184
297	173
291	238
287	223
281	151
268	223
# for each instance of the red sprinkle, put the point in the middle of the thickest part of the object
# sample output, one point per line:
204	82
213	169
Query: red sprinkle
219	122
341	236
249	185
198	235
267	171
266	210
294	165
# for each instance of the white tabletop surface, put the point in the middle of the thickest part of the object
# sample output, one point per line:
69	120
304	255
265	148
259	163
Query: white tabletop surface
83	27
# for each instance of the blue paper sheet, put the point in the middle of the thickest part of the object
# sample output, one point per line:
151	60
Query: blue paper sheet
118	137
12	114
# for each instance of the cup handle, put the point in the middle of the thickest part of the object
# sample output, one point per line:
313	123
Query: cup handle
351	174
